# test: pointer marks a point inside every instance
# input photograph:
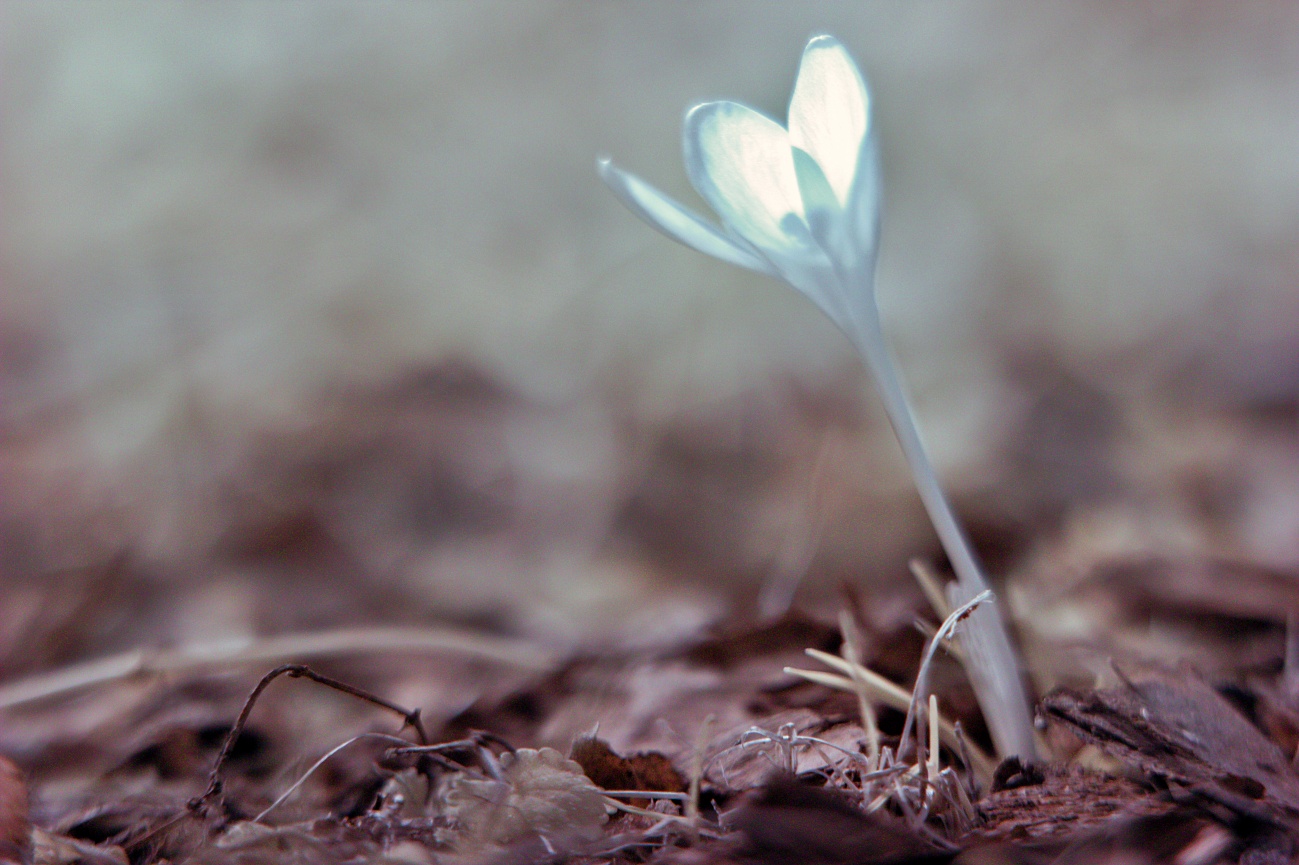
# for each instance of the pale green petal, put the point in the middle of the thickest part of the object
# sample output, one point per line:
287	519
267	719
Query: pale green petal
813	185
829	113
742	164
674	220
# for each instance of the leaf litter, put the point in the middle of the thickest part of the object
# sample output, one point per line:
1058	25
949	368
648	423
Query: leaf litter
803	738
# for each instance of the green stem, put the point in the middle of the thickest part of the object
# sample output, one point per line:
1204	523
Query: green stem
993	666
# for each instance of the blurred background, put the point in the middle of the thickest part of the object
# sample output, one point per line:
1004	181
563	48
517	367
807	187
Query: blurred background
317	313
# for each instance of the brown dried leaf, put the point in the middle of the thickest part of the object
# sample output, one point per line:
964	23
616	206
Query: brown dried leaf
649	771
1174	726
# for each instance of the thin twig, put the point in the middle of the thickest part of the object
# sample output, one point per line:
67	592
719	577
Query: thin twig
475	740
257	651
648	794
216	783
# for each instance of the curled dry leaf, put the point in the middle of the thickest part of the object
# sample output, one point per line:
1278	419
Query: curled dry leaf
540	792
646	771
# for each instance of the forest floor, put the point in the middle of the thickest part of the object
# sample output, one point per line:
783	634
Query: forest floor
1167	691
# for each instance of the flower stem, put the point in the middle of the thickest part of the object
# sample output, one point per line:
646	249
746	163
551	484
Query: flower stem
993	666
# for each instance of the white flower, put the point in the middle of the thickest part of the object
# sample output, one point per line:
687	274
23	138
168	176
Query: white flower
798	203
801	203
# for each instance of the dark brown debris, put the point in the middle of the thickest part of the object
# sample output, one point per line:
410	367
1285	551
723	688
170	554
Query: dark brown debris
647	771
788	822
1064	801
1173	728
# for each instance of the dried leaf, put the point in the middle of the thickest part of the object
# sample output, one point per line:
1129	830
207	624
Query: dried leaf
540	792
650	771
1174	726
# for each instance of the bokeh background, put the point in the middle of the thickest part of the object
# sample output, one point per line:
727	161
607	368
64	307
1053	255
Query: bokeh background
316	313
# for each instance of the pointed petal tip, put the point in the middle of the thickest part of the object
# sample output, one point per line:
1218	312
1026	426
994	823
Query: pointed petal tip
699	110
826	42
829	112
621	182
822	40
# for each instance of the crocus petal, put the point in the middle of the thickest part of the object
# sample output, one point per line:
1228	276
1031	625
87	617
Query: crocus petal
828	113
814	187
674	220
741	163
863	208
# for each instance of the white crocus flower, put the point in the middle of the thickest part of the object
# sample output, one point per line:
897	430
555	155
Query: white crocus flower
801	203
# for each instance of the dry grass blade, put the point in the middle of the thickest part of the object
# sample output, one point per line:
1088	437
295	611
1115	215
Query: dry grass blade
889	693
922	675
852	654
898	698
931	586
